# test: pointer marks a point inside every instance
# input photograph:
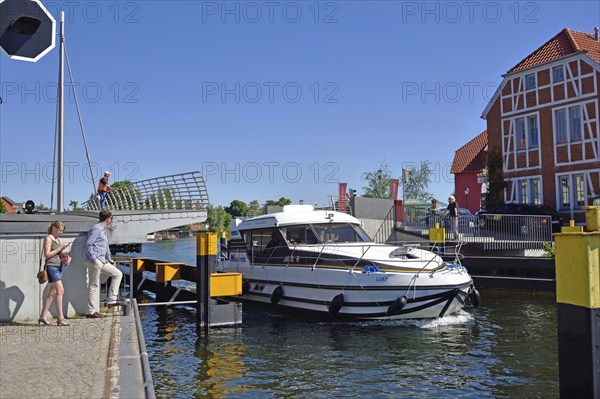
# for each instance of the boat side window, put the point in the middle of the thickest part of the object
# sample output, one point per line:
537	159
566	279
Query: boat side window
257	241
300	235
337	232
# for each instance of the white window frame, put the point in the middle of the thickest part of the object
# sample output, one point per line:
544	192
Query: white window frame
536	195
561	137
521	134
564	192
573	125
530	81
524	190
557	78
536	129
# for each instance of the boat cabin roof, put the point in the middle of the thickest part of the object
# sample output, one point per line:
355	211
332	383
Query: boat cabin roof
297	215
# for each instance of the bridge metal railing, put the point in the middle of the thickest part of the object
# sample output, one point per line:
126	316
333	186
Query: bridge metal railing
185	191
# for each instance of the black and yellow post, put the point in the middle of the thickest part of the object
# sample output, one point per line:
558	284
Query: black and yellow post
578	309
206	255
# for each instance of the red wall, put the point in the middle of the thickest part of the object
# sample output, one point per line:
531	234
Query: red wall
462	181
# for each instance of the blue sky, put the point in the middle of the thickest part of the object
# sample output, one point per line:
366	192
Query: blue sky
269	99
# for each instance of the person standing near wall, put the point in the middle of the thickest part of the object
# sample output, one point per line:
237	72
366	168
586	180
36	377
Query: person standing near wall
99	261
55	258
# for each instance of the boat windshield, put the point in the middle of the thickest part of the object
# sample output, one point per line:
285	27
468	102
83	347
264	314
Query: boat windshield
338	232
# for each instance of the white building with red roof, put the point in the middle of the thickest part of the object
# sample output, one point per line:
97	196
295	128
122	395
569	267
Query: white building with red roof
544	121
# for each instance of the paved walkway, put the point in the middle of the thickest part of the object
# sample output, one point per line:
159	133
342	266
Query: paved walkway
78	361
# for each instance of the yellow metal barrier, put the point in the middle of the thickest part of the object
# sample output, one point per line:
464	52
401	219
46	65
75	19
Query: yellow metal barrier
225	284
138	264
578	309
571	228
437	234
166	272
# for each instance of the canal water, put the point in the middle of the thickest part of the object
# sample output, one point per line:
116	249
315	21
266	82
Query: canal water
505	349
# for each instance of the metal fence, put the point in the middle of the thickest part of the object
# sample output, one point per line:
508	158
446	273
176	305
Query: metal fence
186	191
494	231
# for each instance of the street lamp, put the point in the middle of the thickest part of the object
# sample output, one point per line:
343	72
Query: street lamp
467	197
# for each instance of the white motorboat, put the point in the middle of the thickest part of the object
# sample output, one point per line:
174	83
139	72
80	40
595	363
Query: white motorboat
323	262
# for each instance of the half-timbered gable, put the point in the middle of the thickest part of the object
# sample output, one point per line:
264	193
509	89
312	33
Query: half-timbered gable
544	120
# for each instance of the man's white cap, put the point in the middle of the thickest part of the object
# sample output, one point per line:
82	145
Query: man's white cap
107	173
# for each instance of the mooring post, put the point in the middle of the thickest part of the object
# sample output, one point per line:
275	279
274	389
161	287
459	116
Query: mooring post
206	249
578	309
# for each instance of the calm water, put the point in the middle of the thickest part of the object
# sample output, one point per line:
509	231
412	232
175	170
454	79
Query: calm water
505	349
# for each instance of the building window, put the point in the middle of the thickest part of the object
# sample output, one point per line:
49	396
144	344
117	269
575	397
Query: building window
565	193
536	197
520	133
533	131
530	81
558	74
523	197
575	123
579	183
560	119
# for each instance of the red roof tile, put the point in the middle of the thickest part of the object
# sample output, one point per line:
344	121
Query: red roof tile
7	206
566	42
470	157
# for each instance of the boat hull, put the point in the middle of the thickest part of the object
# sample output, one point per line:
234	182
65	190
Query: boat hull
352	293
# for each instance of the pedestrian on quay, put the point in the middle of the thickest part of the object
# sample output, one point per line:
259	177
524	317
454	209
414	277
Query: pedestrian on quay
56	258
103	188
434	213
99	261
452	210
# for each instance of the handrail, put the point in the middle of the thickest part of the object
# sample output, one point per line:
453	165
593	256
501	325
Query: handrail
384	228
185	191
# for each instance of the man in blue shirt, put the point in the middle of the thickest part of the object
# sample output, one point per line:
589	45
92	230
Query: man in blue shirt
99	261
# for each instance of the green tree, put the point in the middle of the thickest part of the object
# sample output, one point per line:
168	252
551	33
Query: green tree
237	208
2	207
281	202
73	204
126	195
496	183
217	219
378	182
416	181
254	208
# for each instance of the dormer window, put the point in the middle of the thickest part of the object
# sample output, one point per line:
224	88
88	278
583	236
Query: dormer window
530	81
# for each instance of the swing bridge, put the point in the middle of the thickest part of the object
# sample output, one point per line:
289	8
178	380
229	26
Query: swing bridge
151	205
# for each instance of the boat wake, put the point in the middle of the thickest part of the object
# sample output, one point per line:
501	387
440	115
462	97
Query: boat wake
460	318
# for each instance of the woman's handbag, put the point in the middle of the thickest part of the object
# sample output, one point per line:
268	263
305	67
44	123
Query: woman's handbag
42	276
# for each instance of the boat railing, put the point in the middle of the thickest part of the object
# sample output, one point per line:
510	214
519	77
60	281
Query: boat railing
340	205
181	192
328	253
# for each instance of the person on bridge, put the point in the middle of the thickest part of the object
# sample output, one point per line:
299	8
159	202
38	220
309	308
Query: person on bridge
56	258
99	261
103	188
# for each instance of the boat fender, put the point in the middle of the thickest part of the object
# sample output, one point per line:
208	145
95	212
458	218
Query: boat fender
277	295
336	304
245	287
474	297
397	306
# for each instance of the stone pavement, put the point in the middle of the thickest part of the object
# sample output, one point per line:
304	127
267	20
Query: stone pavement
76	361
